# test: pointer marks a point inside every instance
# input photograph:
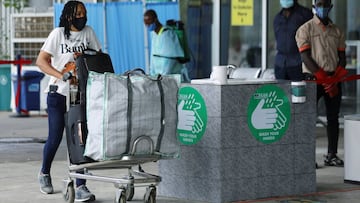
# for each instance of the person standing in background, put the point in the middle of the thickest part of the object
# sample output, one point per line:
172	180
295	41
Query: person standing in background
165	48
63	44
236	52
322	47
286	22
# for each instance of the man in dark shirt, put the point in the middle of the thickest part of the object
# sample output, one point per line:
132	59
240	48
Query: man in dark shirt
286	22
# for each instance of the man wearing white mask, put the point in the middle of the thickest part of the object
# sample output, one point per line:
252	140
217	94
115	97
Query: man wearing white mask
288	61
322	47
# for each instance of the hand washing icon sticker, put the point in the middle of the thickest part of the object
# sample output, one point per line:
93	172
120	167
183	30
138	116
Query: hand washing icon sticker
269	114
192	116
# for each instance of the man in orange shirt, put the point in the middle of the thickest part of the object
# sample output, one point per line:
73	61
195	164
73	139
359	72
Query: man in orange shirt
322	47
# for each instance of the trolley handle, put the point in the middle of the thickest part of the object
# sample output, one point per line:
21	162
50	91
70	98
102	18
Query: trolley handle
138	139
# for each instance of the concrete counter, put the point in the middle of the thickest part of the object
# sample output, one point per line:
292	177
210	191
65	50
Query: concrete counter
233	151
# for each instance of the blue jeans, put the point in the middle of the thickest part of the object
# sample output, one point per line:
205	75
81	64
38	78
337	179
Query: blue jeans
56	107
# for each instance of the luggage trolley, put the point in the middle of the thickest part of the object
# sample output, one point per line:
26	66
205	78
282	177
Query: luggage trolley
76	131
125	186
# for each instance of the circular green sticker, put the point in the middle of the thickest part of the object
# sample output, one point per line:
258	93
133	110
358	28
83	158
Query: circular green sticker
269	114
192	116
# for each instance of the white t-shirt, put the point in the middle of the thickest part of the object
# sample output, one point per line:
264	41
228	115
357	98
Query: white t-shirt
62	51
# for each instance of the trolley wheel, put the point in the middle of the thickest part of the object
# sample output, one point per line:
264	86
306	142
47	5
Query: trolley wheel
130	191
120	196
150	195
69	193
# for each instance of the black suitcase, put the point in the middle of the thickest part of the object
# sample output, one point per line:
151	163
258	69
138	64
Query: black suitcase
75	118
76	132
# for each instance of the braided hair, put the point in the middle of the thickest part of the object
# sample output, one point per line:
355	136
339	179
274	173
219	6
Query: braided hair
67	16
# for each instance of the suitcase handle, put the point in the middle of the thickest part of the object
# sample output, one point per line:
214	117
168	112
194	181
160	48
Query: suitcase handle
141	72
79	133
134	71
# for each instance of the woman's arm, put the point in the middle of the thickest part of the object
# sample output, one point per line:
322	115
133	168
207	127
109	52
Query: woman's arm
43	62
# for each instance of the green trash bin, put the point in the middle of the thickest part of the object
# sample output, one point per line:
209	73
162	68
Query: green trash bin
5	87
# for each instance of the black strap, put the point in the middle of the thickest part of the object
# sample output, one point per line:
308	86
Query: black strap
129	112
168	57
129	107
162	117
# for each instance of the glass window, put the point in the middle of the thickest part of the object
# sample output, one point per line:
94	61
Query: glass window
198	18
347	16
32	26
29	33
241	33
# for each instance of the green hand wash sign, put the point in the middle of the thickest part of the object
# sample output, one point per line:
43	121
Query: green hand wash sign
192	116
268	114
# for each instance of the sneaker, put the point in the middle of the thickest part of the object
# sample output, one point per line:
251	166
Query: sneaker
45	183
333	160
82	194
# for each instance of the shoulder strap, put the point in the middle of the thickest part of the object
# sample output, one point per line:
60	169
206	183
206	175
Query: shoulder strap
162	29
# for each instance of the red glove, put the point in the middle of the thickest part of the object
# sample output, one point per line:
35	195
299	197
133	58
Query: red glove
329	82
340	73
332	89
321	75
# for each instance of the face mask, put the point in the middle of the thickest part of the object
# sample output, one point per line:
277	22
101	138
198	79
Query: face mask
79	23
286	3
152	27
322	12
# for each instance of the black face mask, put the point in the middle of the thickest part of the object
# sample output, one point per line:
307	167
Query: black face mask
79	23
